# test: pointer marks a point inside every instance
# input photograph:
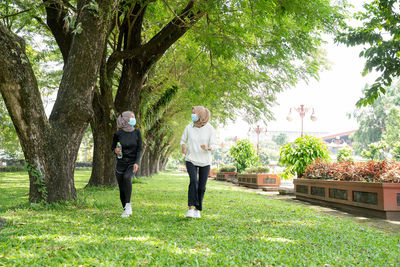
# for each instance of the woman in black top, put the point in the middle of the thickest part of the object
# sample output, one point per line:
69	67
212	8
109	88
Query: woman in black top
131	142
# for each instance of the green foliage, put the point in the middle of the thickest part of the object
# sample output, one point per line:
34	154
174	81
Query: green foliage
269	150
9	141
244	155
297	155
345	154
380	37
280	139
263	157
380	117
243	229
392	130
174	161
227	168
33	171
232	67
396	151
86	148
12	168
257	169
375	151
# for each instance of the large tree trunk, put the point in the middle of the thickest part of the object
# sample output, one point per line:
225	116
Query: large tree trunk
51	145
144	163
103	168
130	86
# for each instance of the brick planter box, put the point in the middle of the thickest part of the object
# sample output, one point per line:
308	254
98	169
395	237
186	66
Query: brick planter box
369	199
212	174
261	180
226	176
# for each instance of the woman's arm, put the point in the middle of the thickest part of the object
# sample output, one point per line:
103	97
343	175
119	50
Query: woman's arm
184	140
213	140
114	142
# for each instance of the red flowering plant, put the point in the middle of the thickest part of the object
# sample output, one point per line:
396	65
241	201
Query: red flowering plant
371	171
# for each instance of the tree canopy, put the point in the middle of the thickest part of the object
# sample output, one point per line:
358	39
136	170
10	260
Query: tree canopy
379	121
380	37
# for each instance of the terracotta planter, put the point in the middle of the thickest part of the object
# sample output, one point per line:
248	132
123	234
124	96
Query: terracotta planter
226	176
370	199
260	180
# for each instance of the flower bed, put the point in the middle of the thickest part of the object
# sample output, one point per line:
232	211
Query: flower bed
371	171
371	188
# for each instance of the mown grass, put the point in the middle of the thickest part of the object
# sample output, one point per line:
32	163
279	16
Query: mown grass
237	228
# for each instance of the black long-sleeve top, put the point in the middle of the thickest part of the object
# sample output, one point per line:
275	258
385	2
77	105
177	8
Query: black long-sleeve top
131	143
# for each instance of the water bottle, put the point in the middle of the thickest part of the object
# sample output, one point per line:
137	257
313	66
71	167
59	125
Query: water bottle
119	146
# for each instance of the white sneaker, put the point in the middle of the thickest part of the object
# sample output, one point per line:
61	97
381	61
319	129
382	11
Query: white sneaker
190	213
127	210
196	214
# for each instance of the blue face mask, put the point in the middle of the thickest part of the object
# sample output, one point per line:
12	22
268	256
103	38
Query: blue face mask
132	122
194	118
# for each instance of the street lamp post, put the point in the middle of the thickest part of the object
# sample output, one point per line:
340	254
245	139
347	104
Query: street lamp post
258	130
302	112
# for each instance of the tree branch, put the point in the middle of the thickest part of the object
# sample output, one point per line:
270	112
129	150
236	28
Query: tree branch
55	20
117	56
20	12
176	28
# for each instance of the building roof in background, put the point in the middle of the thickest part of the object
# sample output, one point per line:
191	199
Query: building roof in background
338	135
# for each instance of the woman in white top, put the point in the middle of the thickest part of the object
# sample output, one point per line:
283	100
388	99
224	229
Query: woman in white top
197	141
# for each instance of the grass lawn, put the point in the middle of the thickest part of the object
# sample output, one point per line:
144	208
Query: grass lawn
237	228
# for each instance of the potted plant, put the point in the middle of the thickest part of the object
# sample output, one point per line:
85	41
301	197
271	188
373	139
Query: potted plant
227	173
370	188
244	155
297	155
258	177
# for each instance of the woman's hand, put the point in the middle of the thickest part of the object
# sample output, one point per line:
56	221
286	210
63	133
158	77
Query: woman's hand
184	149
117	151
204	147
135	168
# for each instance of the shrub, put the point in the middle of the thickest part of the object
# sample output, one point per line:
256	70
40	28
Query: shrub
375	151
297	155
244	155
12	169
227	168
396	151
258	169
371	171
344	154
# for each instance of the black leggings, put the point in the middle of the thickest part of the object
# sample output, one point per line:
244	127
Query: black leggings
197	186
125	184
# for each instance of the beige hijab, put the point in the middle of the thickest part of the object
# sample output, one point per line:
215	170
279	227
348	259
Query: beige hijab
123	121
203	114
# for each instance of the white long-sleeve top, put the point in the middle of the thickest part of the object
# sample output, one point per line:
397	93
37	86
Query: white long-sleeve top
193	138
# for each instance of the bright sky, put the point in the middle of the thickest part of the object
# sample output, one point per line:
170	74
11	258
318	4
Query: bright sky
332	97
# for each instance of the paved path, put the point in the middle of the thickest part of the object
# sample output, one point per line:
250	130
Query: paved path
380	224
